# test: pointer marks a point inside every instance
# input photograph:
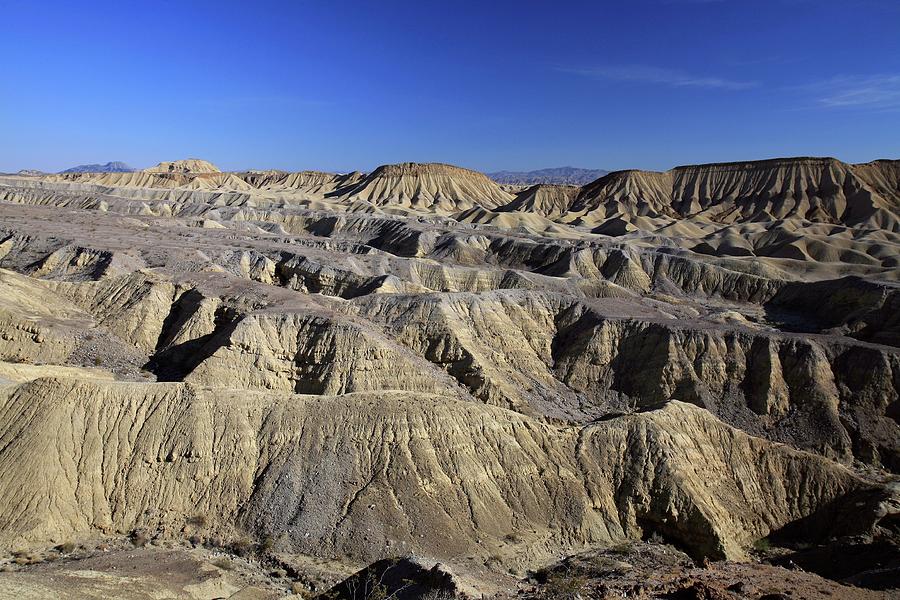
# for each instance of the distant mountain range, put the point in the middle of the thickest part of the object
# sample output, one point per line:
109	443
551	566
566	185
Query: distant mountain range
560	175
110	167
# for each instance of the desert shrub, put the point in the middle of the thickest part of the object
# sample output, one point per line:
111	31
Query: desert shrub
139	538
223	563
656	538
438	594
563	587
196	521
65	548
242	546
762	545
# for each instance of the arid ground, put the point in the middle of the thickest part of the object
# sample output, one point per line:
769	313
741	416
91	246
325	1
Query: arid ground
677	384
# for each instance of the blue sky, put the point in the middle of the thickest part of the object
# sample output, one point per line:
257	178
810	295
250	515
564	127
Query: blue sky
489	85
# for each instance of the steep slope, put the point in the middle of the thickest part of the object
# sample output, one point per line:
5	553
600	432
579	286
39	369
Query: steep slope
628	193
371	475
428	186
883	176
311	182
543	199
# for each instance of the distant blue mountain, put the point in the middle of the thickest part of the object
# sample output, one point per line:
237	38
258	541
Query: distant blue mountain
564	175
110	167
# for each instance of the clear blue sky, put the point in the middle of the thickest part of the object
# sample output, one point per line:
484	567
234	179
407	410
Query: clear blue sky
489	84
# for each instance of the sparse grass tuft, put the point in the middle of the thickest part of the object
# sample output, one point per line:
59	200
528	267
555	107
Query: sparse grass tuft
298	589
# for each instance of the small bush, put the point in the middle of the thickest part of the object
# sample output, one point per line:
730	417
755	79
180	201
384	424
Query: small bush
762	545
223	563
139	538
98	361
196	521
66	548
242	547
656	538
565	586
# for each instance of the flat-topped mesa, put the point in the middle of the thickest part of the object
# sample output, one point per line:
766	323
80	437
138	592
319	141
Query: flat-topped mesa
413	169
309	181
436	187
822	190
188	165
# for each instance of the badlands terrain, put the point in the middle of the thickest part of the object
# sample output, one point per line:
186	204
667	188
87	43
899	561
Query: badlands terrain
676	385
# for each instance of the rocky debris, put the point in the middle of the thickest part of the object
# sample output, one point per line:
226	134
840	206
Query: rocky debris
653	570
403	578
117	568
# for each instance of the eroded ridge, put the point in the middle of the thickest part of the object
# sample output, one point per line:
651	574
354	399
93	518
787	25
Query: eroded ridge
420	361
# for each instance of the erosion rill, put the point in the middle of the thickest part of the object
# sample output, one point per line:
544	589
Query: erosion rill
293	381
